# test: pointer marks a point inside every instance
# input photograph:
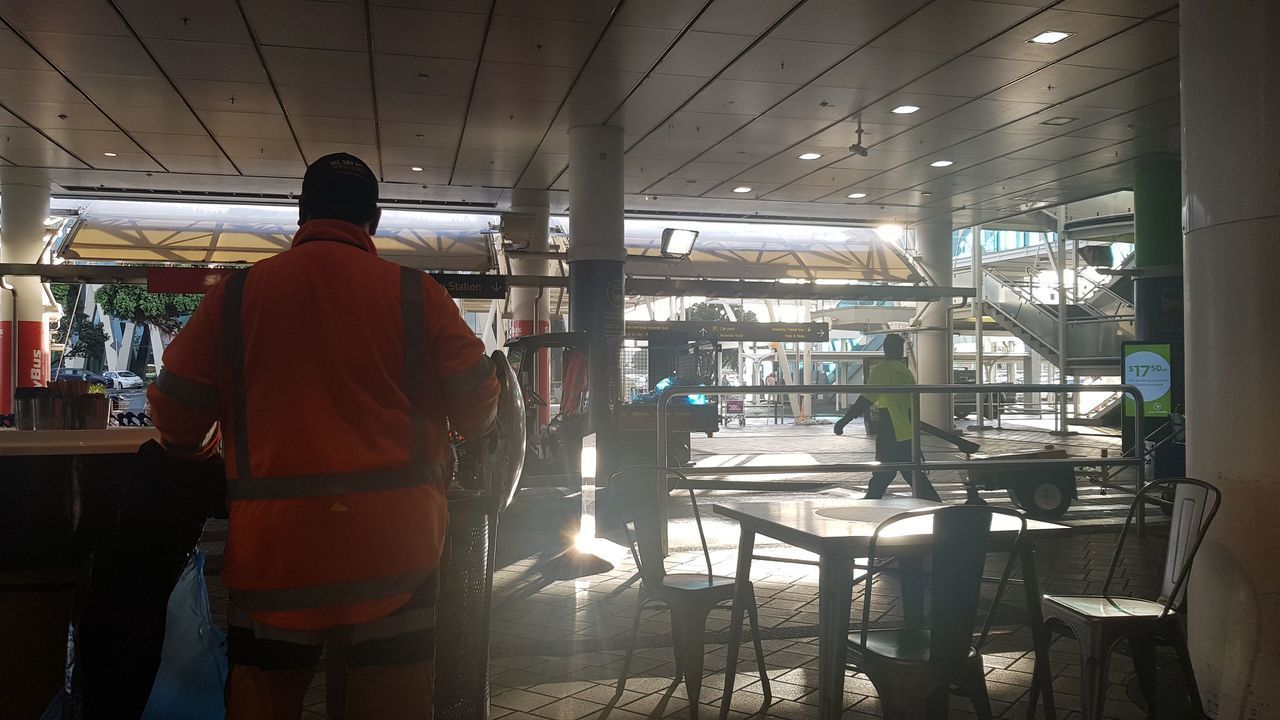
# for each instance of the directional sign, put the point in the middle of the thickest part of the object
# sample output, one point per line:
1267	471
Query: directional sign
733	331
473	287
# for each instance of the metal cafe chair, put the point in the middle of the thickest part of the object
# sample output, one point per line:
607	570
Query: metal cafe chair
690	597
1098	622
913	668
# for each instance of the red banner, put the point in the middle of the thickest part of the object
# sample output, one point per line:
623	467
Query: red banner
32	360
184	280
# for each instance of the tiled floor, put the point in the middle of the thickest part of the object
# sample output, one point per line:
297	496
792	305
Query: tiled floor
557	646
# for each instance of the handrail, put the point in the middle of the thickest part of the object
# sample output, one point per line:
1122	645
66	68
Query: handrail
918	463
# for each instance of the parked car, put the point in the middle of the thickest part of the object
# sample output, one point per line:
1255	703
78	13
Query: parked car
88	376
122	379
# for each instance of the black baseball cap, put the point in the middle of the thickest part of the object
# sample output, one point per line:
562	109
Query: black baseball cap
894	345
339	187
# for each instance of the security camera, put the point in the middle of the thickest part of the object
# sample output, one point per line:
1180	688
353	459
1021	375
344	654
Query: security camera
858	148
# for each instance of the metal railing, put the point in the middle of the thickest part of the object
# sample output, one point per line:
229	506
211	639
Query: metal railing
918	463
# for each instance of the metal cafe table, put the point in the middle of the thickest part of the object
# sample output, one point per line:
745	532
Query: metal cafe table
838	531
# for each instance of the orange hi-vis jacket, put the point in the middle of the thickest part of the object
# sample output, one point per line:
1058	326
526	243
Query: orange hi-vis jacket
330	374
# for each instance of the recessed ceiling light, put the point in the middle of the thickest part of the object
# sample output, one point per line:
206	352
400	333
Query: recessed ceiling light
941	163
926	194
1060	120
857	196
109	154
905	109
742	189
809	156
1050	37
415	168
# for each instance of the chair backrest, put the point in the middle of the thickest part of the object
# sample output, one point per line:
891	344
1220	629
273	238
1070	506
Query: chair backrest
635	494
958	548
1195	503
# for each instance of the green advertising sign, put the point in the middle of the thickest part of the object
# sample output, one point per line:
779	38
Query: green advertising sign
1148	367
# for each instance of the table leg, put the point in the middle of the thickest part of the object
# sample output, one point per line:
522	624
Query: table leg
913	586
742	585
1042	680
835	599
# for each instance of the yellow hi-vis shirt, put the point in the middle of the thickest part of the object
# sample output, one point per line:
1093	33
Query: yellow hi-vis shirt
893	372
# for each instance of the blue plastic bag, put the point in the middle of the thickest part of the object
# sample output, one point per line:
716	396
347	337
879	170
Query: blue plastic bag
193	663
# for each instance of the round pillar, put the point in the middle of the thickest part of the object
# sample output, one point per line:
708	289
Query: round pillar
24	335
527	226
596	259
1231	215
933	345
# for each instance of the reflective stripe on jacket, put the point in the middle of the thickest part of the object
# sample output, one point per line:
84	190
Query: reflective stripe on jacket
331	374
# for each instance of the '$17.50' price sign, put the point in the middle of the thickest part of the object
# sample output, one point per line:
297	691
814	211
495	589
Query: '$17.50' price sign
1148	368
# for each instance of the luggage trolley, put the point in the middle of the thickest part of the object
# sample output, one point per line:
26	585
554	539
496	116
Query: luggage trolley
734	408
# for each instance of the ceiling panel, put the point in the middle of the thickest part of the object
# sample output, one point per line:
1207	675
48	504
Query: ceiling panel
772	129
327	25
664	91
142	119
1145	45
1005	167
835	177
16	54
543	169
732	150
523	82
193	61
166	144
996	143
596	11
259	148
231	97
327	68
729	190
843	134
744	17
972	76
424	176
670	14
218	165
719	172
1126	8
326	129
1046	121
426	109
411	156
877	68
367	153
37	86
741	97
633	49
777	171
680	146
1061	148
952	26
1086	29
1144	88
68	16
414	135
327	102
1057	83
407	31
920	141
786	61
207	21
272	168
820	102
91	144
47	155
74	53
602	90
484	178
426	75
66	116
540	42
876	160
931	106
686	187
511	140
987	114
138	91
798	193
844	21
510	113
247	125
703	54
126	161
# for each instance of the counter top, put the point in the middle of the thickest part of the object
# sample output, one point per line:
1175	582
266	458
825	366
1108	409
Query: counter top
74	442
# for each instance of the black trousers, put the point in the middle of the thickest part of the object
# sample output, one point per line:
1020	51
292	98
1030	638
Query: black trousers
891	450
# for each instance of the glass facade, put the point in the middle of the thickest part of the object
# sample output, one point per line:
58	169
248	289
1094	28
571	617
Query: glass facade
994	241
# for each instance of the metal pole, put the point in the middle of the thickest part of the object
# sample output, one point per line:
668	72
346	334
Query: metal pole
916	453
979	312
1062	319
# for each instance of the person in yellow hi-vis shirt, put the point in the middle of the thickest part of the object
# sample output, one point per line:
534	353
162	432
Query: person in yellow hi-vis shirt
893	420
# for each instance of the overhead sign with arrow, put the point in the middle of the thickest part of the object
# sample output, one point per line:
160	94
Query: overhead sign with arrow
733	331
473	287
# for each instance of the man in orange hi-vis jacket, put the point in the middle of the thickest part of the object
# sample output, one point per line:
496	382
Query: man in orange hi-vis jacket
329	375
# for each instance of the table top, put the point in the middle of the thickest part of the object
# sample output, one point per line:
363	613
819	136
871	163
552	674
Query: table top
75	442
819	524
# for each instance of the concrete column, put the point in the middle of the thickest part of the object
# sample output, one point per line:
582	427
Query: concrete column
1157	289
1231	211
596	259
933	346
24	334
528	226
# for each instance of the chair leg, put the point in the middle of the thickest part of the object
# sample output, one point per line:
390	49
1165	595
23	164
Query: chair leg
1176	636
1093	679
901	699
759	646
973	683
692	624
631	649
677	645
1143	648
